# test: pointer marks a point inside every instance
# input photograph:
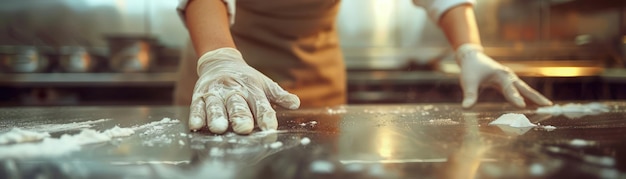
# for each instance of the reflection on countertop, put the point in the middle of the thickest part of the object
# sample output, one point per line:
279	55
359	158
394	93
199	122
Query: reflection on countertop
354	141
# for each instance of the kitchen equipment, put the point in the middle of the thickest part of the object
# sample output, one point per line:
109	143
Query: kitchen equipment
22	59
75	59
130	53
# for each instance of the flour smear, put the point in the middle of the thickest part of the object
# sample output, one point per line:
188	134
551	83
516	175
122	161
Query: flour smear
589	108
17	135
23	146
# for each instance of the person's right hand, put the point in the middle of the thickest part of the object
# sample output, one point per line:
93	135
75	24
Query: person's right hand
479	69
230	91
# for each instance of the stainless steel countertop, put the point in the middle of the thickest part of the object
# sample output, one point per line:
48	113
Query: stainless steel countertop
356	141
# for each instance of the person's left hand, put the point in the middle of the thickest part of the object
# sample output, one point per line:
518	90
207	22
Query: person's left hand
478	69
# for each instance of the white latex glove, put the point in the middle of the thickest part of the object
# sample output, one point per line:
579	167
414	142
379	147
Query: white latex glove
230	91
478	69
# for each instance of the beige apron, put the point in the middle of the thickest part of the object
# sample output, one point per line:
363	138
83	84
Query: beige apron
294	42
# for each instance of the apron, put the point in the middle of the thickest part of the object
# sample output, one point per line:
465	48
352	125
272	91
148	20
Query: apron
294	43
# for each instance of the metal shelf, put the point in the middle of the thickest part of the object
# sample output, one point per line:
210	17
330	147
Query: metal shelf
86	79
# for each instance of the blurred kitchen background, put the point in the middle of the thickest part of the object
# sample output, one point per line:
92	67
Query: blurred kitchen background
125	52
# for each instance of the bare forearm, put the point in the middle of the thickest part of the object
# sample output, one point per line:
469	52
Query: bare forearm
459	26
207	22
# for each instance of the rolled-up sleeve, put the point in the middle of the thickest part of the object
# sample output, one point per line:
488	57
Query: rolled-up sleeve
230	4
436	8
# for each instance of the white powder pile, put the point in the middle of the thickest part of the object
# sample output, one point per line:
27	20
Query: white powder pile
548	127
580	143
64	127
443	122
66	143
17	135
119	132
513	120
305	141
276	145
590	108
48	147
63	145
87	136
310	123
159	140
165	120
320	166
156	127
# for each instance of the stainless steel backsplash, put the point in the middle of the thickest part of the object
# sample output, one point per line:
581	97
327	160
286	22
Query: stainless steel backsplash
86	22
510	29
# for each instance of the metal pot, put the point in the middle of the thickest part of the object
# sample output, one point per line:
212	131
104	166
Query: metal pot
130	53
22	59
75	59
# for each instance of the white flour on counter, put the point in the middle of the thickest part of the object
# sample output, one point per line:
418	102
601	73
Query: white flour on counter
443	122
305	141
156	126
276	145
574	109
159	140
64	127
548	127
17	135
513	120
51	147
310	123
517	124
60	146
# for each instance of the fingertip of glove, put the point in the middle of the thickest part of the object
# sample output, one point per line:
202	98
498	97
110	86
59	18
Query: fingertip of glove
218	125
289	101
269	126
242	125
243	130
545	102
518	101
267	120
195	123
468	103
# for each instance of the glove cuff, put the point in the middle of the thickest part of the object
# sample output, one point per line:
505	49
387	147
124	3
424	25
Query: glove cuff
467	49
217	55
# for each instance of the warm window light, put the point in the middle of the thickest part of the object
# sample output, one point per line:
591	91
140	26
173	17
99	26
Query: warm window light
383	10
561	71
386	143
385	149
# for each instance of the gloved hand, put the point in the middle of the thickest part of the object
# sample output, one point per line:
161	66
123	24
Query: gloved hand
230	91
477	69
